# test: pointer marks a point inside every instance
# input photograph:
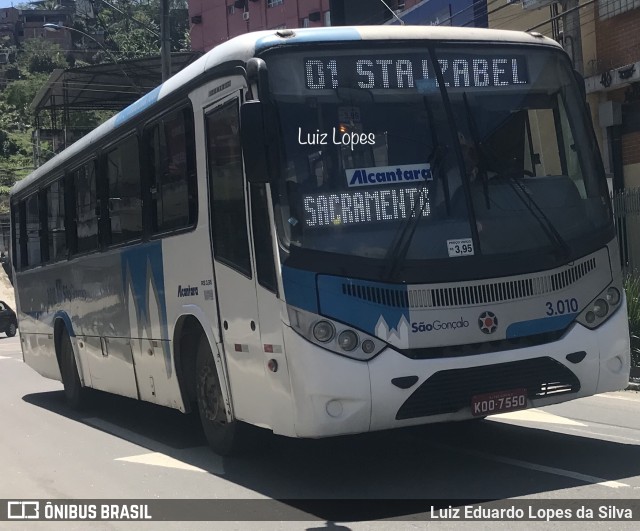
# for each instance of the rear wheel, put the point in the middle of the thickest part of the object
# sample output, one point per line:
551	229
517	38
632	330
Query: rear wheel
225	438
11	330
75	394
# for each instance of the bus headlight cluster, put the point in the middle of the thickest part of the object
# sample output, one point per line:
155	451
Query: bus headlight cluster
601	308
334	336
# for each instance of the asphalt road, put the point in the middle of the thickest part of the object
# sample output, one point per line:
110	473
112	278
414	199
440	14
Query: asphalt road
120	448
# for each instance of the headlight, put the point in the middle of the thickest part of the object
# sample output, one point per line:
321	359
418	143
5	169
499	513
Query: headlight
601	308
613	296
348	340
334	336
323	331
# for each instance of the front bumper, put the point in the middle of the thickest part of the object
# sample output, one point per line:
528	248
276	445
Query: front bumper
333	395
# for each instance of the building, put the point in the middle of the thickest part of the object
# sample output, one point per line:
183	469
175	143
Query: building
215	21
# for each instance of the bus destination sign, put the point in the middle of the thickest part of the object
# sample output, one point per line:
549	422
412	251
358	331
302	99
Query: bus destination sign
413	71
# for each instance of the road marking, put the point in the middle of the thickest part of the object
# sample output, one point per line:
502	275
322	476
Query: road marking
535	415
159	459
161	454
539	468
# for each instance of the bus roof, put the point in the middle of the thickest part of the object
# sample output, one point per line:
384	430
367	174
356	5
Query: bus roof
243	47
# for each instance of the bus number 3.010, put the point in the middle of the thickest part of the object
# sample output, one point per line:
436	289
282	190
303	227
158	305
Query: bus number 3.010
562	306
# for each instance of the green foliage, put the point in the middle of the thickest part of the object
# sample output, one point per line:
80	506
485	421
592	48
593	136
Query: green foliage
632	289
40	56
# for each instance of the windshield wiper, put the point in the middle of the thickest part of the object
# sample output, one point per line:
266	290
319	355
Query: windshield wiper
521	192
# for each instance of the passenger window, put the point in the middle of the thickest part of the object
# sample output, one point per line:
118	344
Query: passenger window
34	256
125	204
84	179
229	216
173	185
55	222
20	239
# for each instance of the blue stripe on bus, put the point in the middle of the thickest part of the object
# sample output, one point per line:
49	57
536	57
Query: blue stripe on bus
359	312
300	288
143	272
138	106
540	326
310	35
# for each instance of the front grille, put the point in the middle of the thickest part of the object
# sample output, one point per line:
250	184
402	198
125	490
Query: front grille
451	390
472	293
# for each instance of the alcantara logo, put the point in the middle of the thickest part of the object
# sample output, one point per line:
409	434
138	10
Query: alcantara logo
438	325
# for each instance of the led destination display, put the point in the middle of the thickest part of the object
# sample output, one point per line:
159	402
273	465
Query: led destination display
355	207
415	71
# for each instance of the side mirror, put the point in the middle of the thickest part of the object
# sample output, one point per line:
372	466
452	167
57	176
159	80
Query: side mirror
254	142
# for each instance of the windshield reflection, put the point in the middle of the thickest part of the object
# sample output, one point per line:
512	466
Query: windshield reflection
405	175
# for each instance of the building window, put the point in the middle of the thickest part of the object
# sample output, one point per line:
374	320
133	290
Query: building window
231	9
273	3
616	7
304	23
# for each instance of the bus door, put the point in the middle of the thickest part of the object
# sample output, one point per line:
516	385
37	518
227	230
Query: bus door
235	283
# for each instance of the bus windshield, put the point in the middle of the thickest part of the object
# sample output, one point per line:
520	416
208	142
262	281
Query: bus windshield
379	162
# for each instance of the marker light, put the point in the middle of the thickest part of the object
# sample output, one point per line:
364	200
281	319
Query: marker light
368	346
590	317
323	331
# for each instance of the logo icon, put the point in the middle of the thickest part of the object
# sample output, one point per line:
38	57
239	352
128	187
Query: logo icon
488	322
23	510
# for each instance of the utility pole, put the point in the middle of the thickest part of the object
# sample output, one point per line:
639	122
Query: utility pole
572	33
165	40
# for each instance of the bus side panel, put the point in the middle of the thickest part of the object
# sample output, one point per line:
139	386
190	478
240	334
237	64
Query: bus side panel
38	351
144	273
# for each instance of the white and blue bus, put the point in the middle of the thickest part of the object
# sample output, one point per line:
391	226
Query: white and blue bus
332	231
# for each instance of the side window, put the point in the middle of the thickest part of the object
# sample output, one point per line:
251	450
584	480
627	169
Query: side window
229	217
173	177
125	204
34	256
55	221
17	236
84	179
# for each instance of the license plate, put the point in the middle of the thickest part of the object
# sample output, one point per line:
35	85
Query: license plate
498	402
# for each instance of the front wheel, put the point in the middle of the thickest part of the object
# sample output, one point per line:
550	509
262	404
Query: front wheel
75	394
225	438
11	330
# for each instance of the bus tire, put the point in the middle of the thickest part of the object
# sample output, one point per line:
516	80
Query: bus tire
224	437
74	393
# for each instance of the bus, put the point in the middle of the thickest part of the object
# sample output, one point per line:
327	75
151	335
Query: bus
332	231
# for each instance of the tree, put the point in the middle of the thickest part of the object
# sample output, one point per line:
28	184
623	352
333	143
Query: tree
40	56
